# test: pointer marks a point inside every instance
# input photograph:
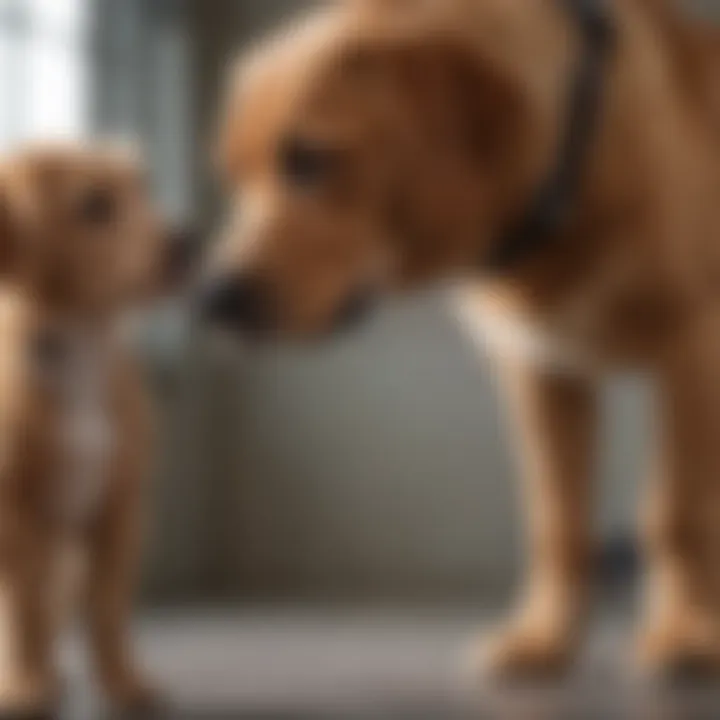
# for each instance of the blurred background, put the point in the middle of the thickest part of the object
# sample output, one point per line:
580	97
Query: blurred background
372	472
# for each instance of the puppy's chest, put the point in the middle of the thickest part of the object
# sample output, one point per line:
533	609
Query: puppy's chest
84	432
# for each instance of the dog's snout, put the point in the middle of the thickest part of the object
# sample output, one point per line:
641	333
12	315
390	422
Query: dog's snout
239	302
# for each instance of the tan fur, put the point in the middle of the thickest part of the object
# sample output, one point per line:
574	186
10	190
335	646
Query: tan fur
69	498
448	113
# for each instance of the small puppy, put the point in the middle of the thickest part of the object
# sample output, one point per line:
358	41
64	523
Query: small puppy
385	143
80	246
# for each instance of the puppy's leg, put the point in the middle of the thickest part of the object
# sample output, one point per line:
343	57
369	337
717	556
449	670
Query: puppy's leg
27	678
682	520
556	419
111	582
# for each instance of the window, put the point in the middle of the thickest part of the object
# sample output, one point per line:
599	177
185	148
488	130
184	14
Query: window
44	80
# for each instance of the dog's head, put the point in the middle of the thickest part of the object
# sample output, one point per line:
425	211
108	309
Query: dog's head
78	230
366	148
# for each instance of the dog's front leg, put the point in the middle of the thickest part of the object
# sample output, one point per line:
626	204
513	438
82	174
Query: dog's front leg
114	553
555	417
682	515
27	676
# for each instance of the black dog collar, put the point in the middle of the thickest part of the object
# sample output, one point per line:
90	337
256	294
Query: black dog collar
553	203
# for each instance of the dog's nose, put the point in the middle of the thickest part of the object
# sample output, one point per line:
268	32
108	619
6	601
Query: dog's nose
239	302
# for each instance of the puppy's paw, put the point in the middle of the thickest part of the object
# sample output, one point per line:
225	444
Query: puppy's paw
524	652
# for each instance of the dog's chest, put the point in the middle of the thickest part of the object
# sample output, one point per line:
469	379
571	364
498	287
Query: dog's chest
612	325
84	431
511	335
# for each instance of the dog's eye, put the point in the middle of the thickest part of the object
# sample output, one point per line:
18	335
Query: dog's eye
305	164
97	207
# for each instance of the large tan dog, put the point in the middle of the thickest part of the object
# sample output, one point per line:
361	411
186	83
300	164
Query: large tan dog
392	142
80	245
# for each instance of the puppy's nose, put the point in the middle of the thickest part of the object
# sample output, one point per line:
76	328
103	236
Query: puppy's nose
182	253
239	302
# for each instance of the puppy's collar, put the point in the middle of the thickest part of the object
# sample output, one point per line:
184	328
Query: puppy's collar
552	205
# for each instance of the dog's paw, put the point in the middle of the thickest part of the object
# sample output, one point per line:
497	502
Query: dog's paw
520	652
680	650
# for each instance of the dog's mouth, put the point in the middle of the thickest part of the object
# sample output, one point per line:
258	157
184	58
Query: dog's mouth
244	305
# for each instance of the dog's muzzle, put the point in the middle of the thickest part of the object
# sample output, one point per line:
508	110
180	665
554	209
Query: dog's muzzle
238	302
244	304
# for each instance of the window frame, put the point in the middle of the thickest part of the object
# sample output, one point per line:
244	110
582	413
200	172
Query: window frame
21	27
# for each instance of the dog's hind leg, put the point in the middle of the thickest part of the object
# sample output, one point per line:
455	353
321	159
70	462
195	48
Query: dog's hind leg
682	515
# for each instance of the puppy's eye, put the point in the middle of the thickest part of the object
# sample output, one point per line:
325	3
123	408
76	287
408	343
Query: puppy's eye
98	207
306	164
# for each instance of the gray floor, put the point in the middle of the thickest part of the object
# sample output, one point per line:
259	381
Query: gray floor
312	664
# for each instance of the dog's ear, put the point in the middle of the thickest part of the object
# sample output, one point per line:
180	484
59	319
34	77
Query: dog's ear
453	95
457	142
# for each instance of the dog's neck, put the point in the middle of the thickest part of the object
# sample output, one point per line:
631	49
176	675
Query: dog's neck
551	207
626	167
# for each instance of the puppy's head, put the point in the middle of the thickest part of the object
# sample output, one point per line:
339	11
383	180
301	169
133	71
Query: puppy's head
78	230
365	148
